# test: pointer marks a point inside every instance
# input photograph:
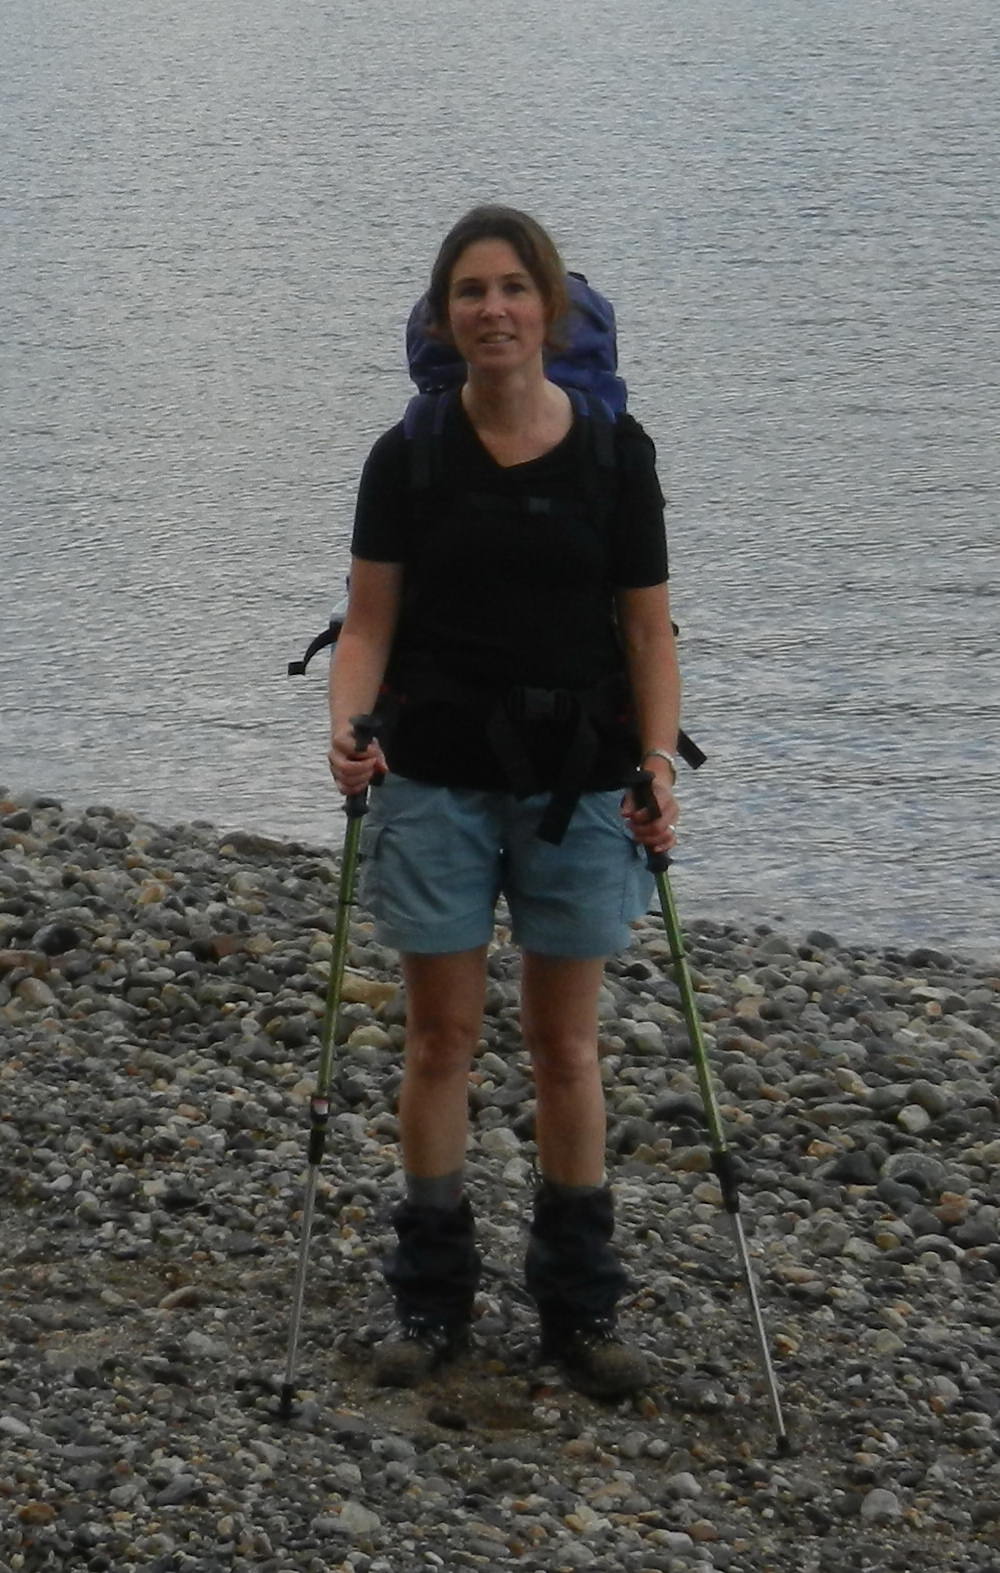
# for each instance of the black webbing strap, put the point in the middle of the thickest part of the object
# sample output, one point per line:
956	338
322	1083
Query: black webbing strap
600	426
327	637
539	705
423	424
690	752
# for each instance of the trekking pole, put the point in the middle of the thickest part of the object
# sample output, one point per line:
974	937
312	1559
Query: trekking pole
355	807
722	1158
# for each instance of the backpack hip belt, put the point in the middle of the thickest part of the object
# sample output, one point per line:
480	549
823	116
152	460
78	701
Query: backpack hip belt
507	710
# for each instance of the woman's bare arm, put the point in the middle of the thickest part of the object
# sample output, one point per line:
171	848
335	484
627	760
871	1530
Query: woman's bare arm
651	658
358	666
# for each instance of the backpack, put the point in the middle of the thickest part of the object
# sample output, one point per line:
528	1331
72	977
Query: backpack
586	366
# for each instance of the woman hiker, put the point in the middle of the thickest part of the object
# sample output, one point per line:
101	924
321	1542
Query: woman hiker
516	606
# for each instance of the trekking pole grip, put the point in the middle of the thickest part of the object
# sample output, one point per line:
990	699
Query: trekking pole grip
366	729
645	797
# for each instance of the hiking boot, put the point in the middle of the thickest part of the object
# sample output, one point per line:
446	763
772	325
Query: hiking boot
599	1361
417	1349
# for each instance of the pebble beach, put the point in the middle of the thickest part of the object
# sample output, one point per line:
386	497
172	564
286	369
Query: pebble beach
161	992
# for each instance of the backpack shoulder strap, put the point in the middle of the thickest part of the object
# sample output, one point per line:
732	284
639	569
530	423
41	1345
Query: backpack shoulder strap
600	426
423	424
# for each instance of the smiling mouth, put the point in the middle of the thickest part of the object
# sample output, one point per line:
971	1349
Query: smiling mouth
496	338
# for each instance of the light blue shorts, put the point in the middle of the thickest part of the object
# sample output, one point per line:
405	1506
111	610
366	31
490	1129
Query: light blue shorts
436	860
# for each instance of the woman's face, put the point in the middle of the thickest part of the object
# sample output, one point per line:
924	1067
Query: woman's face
496	312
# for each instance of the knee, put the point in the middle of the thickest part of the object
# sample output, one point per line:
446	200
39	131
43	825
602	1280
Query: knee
441	1049
563	1059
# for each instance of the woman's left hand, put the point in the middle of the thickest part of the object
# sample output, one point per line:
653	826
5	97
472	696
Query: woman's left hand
657	834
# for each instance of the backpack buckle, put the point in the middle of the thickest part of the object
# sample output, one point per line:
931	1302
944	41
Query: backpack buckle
540	704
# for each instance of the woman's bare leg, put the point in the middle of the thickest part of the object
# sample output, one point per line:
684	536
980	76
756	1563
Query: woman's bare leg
559	1026
444	1012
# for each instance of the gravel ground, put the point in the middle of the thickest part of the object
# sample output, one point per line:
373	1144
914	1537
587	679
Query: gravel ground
160	995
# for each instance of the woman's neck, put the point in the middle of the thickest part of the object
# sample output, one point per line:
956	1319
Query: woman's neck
517	419
518	402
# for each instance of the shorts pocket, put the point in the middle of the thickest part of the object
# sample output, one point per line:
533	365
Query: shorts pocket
369	876
629	880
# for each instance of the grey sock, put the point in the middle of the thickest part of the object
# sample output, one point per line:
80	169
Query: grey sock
436	1190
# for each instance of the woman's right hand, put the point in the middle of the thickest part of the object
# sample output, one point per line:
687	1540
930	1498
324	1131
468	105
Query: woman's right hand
353	770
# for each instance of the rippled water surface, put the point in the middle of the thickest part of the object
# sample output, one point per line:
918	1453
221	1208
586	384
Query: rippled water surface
214	220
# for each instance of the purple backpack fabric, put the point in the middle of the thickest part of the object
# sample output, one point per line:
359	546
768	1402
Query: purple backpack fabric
588	363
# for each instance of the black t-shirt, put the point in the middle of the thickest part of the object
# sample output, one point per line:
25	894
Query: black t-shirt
509	576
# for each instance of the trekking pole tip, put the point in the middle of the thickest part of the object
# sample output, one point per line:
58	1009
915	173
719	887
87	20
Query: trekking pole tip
784	1447
286	1401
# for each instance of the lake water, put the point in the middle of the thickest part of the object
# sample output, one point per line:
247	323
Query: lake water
214	220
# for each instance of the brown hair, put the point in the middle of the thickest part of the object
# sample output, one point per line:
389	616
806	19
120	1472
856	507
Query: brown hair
534	246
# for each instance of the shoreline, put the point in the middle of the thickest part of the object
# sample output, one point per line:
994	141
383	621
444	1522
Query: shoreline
160	994
962	955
